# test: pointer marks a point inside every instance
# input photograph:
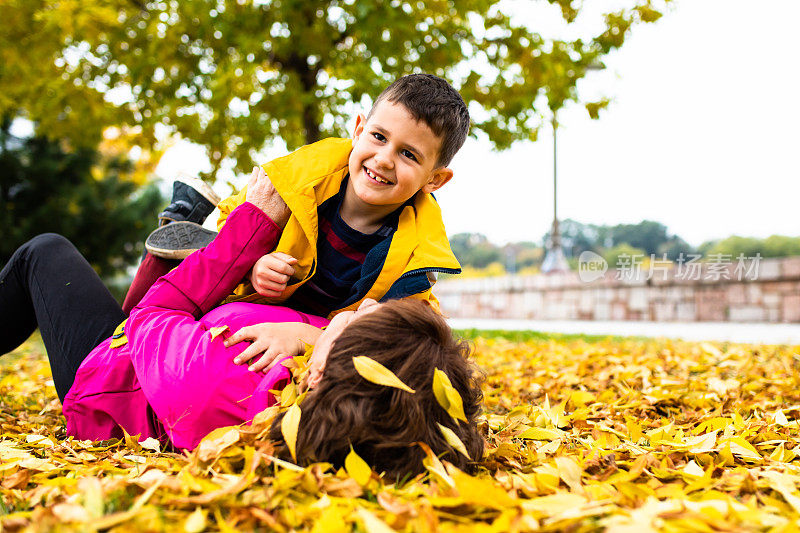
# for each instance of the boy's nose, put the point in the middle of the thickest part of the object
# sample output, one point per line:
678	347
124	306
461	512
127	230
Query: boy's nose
383	159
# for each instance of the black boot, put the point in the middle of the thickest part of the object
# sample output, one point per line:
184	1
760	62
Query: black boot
180	232
192	201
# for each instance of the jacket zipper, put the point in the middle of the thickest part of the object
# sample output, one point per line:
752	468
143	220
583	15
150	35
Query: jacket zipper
433	269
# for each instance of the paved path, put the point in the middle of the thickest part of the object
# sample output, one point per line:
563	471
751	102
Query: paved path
695	331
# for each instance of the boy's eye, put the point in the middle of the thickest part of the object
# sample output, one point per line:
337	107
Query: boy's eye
378	136
409	154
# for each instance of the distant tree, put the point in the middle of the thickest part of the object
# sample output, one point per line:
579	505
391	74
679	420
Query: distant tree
773	246
735	245
623	254
474	250
483	255
576	237
462	243
529	255
646	235
674	247
706	246
781	246
45	187
234	74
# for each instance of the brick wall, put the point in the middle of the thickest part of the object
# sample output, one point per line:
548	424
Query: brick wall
772	294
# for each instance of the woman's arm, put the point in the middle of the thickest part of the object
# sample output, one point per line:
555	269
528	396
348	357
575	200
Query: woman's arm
207	276
186	373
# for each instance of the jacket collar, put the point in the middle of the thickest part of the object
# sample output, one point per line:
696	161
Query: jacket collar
313	174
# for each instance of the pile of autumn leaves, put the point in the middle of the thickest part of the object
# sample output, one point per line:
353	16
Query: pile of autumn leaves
620	435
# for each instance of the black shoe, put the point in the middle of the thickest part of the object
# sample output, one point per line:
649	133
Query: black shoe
192	201
178	240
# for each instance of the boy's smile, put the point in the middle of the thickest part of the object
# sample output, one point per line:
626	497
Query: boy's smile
394	156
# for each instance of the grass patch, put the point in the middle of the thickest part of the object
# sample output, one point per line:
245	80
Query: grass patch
526	336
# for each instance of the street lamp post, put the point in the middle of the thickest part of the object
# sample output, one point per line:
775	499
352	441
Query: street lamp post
554	260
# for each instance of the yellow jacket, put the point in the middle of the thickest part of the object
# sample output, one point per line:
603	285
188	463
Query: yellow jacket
402	265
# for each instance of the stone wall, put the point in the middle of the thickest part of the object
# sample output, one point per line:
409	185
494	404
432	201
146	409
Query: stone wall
771	294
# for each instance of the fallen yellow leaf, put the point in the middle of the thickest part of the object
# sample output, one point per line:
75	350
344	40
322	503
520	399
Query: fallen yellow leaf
447	396
357	468
289	426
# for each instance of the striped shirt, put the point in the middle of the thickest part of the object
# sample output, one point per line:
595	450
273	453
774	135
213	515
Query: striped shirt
341	252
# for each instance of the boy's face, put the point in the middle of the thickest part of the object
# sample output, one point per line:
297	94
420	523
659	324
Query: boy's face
393	157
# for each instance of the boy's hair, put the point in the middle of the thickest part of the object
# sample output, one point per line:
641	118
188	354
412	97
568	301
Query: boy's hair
434	101
384	424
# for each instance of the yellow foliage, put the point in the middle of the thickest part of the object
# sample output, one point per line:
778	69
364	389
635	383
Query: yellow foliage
618	435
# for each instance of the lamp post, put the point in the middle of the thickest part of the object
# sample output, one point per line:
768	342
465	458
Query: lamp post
554	260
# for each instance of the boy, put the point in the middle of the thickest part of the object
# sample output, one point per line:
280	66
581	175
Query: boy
364	224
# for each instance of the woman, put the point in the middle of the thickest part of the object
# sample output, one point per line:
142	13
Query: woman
170	375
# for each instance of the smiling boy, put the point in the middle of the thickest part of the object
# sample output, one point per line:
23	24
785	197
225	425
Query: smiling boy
364	224
394	156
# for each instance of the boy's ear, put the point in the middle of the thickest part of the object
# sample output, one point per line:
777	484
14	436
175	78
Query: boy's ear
360	121
438	179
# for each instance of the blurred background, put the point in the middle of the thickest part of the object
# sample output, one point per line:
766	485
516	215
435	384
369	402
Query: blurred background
645	131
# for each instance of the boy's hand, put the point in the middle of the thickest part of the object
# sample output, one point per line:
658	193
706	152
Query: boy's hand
271	273
272	341
262	194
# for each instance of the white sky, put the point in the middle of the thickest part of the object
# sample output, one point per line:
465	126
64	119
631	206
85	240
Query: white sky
703	135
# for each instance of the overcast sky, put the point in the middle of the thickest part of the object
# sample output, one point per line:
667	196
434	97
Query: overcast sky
703	134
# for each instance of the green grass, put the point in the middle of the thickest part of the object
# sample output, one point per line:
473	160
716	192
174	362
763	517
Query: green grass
524	336
34	343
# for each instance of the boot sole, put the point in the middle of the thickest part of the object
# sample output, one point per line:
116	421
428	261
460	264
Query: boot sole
178	240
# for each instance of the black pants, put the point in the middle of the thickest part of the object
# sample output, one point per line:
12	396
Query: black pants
47	283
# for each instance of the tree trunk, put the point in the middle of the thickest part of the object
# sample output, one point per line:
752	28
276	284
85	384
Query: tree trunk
310	124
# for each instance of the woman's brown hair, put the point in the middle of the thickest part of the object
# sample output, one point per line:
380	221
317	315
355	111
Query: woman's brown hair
383	424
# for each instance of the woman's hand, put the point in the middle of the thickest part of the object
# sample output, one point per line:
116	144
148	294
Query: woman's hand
262	194
272	342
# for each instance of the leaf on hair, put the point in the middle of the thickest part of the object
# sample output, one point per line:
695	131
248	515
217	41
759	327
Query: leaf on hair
374	372
453	440
289	426
447	396
357	467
